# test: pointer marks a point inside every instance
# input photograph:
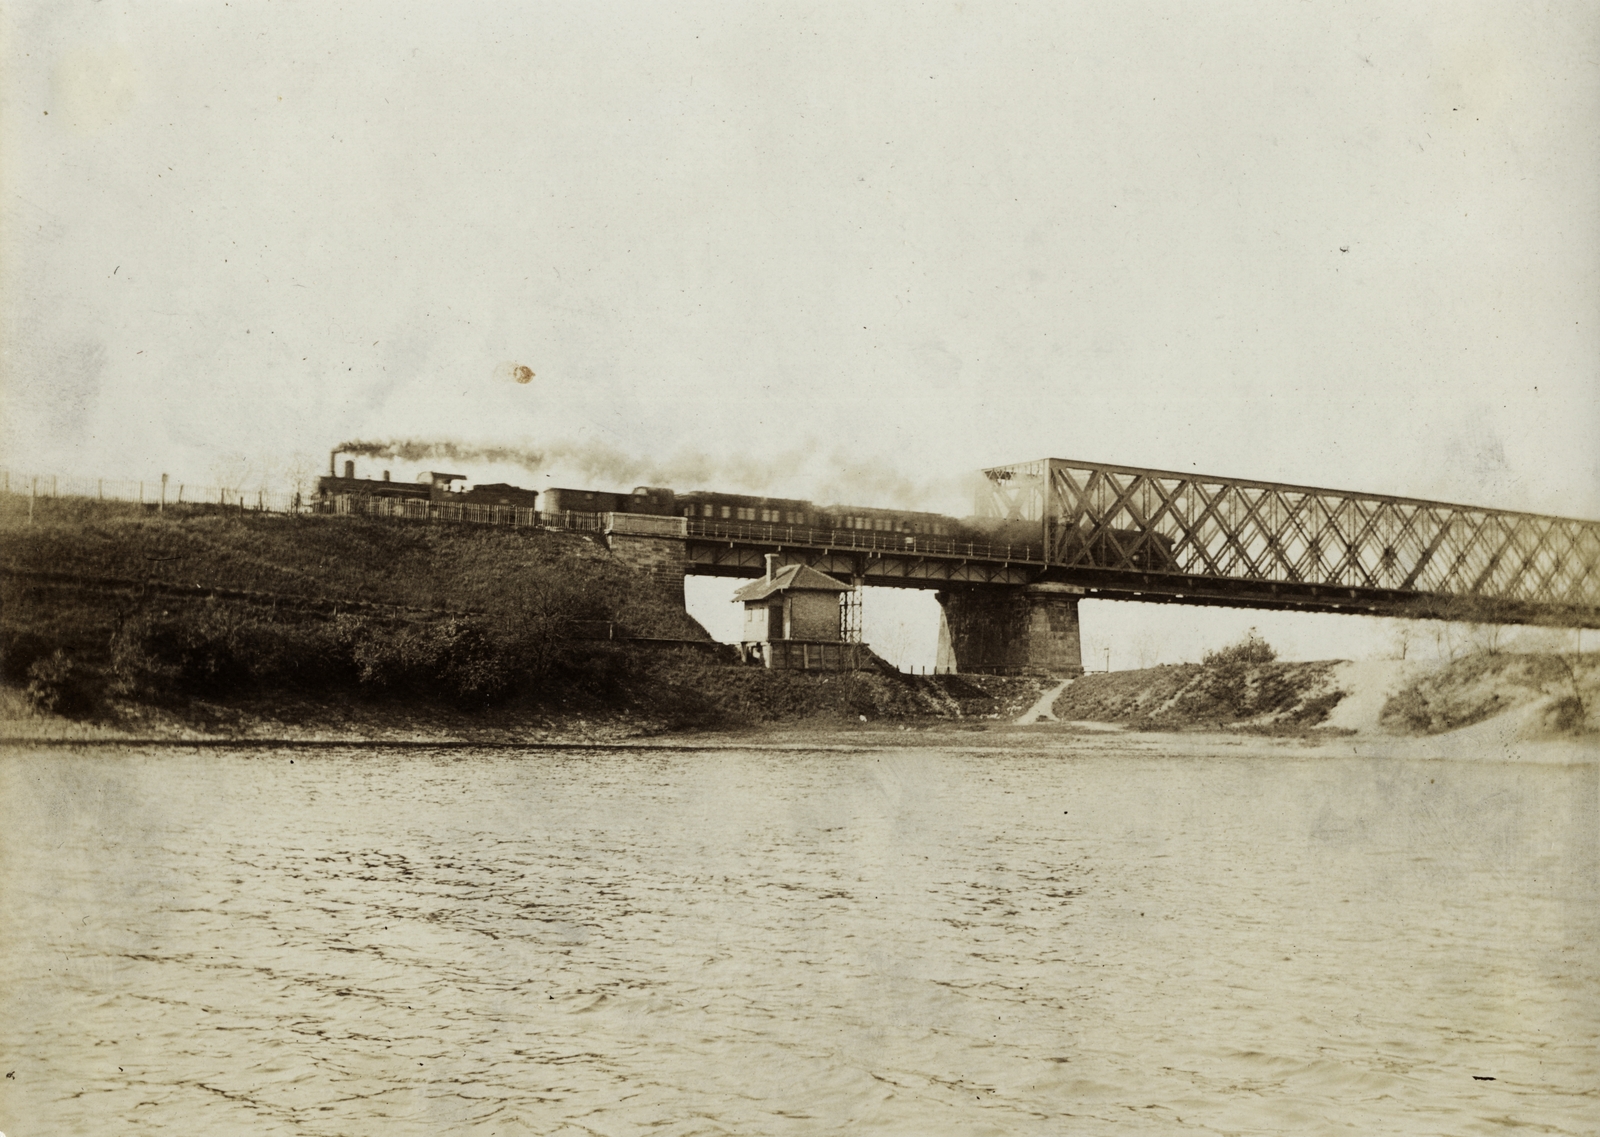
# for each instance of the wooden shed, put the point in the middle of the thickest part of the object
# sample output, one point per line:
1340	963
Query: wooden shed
791	621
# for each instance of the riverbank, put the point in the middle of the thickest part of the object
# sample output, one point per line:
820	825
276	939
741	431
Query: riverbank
121	625
1506	738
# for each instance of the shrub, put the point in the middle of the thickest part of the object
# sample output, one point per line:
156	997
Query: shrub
1248	652
136	670
1228	685
18	652
456	658
56	685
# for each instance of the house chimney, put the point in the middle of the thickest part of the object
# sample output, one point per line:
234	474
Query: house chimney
772	565
386	475
349	469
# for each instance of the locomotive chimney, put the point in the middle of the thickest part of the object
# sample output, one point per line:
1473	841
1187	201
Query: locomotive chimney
349	469
333	463
772	565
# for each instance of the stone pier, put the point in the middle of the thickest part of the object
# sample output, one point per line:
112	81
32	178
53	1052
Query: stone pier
1030	629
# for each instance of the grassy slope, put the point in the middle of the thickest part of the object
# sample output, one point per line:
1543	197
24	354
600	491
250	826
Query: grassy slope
323	558
1481	686
1190	695
494	573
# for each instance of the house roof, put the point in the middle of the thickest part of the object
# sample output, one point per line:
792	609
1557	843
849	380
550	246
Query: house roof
790	578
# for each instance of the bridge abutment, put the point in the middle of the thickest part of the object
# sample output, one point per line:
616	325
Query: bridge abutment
1030	629
663	561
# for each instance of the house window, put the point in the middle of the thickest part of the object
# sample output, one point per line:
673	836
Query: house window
727	512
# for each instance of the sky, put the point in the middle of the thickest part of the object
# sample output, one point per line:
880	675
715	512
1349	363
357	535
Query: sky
849	253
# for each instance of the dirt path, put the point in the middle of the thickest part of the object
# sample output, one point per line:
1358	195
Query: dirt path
1041	709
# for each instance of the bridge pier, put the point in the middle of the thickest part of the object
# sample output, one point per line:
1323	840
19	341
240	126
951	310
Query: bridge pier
1030	629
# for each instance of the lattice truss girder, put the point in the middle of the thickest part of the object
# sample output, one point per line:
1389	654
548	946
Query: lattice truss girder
1147	520
1014	493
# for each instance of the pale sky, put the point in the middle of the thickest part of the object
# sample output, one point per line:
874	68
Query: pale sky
819	249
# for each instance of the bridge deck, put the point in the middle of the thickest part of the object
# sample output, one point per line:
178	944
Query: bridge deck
723	548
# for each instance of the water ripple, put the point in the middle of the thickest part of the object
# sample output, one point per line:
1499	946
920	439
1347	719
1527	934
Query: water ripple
723	943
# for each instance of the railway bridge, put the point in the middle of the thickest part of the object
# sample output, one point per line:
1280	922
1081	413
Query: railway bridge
1124	533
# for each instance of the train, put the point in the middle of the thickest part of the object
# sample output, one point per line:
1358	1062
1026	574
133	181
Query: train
1154	554
709	505
716	509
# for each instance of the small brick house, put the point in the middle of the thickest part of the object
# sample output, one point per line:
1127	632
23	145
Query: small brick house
791	621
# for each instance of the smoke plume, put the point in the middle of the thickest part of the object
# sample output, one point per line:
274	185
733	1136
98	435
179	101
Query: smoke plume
825	476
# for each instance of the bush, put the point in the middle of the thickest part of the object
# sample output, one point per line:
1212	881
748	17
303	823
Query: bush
1248	652
18	652
457	658
136	670
1228	686
56	686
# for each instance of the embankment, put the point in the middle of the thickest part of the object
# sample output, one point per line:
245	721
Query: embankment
200	621
1269	696
1529	696
1546	693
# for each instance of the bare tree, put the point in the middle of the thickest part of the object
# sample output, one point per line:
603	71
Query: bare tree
1404	637
1146	649
300	475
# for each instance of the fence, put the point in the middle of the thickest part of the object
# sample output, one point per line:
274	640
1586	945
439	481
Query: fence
158	492
161	492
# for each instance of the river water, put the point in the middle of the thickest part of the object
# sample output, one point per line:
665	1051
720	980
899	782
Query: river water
795	942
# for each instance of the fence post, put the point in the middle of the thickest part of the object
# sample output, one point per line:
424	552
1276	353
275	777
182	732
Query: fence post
100	488
141	493
33	492
53	492
162	508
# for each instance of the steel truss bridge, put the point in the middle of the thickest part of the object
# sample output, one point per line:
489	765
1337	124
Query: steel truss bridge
1127	533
